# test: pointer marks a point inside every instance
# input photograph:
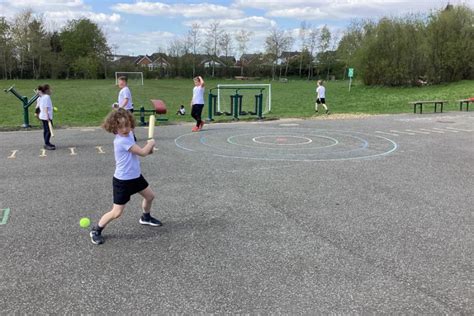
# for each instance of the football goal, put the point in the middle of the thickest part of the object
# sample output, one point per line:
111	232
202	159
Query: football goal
134	77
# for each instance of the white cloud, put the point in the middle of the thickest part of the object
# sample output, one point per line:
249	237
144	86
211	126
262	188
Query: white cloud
56	13
339	9
46	5
140	43
251	23
179	9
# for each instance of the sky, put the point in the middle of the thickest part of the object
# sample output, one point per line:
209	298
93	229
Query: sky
145	27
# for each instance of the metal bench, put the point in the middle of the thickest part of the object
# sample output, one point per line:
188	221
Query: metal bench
465	101
435	102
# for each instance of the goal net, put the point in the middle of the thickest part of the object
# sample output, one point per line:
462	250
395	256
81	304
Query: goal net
248	92
134	78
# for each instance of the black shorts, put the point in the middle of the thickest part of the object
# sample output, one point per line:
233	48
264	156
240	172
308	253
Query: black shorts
124	189
322	100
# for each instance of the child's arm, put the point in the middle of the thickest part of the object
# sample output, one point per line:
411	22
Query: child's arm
202	81
124	103
143	151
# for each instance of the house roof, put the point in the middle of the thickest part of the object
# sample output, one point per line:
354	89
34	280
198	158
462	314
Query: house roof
290	54
142	57
160	56
126	60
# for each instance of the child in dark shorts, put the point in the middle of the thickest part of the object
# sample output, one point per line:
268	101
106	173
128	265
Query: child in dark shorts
127	179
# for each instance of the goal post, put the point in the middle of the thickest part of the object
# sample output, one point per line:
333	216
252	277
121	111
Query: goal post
134	77
224	91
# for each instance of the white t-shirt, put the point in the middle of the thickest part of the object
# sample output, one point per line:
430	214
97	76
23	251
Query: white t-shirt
127	165
198	95
46	107
125	94
321	90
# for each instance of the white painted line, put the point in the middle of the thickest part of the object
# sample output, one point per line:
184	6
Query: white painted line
444	130
87	130
5	214
307	140
289	125
460	129
100	150
432	131
13	155
73	152
391	134
399	132
412	131
43	153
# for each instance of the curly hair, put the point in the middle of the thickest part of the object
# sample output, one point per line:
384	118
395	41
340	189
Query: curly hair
118	119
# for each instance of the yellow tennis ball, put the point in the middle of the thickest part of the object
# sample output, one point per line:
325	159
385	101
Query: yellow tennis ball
55	109
84	222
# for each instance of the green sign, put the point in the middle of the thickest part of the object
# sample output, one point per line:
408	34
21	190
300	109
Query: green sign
350	73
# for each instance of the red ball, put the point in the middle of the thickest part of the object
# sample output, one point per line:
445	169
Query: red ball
160	106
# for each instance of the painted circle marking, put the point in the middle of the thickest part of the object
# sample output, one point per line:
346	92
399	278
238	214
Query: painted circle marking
377	146
308	140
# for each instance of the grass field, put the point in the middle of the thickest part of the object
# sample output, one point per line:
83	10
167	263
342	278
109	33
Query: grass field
86	102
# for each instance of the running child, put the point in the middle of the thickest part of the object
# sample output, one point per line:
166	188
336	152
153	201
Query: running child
125	95
45	107
321	98
197	103
127	179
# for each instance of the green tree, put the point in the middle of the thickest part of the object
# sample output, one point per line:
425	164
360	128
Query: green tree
6	48
39	47
324	45
450	35
276	42
82	42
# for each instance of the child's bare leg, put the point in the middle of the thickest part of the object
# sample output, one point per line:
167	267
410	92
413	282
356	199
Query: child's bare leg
115	213
324	106
316	107
148	197
146	218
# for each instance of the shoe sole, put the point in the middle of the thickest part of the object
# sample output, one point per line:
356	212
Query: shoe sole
94	242
149	223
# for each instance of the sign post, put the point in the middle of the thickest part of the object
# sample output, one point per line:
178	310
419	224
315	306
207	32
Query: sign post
350	74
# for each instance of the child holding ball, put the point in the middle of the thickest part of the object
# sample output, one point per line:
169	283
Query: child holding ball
197	103
125	96
127	179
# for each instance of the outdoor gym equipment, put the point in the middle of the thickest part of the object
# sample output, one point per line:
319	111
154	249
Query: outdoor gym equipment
25	104
235	103
159	107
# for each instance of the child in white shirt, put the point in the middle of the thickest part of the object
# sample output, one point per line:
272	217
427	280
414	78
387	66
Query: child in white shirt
128	179
46	114
321	97
197	103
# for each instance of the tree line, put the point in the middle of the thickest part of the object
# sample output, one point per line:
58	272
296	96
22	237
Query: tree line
28	50
410	50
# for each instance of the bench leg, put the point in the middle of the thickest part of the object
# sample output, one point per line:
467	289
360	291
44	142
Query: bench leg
441	107
421	108
460	106
467	107
414	108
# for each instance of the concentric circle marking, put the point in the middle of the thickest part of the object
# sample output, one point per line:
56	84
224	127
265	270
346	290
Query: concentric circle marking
233	140
295	144
281	140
